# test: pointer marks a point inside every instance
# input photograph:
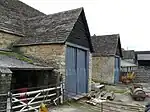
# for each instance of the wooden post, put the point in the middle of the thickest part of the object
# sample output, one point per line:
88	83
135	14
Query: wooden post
8	102
101	106
61	90
58	90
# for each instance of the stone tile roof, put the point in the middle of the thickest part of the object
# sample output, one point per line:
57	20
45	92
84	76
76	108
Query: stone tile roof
106	44
13	13
36	27
54	28
13	60
128	54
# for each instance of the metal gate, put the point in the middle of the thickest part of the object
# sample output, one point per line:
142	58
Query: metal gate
31	100
76	71
117	69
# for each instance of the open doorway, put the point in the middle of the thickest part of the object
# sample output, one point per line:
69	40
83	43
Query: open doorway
24	79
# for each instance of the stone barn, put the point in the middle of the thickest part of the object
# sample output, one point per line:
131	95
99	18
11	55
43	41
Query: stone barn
106	58
61	40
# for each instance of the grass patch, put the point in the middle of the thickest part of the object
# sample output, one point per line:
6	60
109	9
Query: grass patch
16	55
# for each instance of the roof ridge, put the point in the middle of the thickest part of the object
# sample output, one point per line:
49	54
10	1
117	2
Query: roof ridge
31	7
81	8
71	15
105	35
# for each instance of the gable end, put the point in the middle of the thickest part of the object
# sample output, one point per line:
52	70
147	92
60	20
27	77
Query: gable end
80	33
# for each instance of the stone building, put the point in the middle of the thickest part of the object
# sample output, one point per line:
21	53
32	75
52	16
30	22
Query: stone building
106	58
61	41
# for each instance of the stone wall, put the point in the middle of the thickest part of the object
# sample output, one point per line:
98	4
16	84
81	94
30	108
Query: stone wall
103	69
5	83
142	75
53	55
7	40
90	72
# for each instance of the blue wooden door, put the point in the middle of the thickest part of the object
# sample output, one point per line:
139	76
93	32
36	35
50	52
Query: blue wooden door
81	71
76	71
117	69
71	75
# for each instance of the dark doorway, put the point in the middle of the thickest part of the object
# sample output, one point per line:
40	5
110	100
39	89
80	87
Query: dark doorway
23	79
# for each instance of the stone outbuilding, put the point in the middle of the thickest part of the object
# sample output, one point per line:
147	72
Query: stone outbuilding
18	71
106	58
61	40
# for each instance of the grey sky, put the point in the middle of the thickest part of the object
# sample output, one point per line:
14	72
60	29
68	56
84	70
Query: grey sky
129	18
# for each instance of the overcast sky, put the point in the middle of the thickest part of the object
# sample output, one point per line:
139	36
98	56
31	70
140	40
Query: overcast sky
129	18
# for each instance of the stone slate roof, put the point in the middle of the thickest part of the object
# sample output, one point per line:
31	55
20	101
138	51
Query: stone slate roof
13	60
105	45
36	27
128	54
13	14
54	28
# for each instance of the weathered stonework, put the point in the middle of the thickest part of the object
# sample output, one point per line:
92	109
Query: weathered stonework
142	75
5	83
90	72
103	69
7	40
53	54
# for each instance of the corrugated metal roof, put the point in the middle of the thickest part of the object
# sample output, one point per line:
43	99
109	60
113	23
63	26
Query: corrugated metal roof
127	64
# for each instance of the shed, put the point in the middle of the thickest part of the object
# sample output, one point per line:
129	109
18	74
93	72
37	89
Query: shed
106	58
18	71
127	66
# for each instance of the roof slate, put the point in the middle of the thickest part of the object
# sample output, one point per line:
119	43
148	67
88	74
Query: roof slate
13	13
105	45
9	60
54	28
36	27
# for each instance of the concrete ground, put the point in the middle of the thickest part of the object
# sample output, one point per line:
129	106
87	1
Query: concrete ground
121	93
75	107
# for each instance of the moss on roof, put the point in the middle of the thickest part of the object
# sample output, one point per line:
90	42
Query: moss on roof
16	55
